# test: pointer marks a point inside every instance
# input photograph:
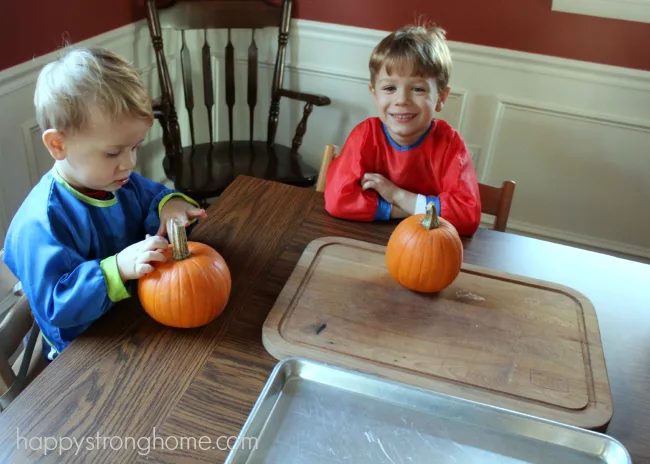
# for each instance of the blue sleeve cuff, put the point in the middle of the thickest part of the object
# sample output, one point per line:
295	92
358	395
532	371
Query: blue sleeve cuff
436	201
383	209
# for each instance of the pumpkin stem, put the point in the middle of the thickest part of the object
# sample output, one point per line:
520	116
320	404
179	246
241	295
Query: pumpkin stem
431	221
178	237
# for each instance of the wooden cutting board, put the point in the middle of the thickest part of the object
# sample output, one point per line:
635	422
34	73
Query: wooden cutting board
497	338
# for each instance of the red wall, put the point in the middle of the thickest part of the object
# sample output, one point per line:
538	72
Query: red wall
30	28
527	25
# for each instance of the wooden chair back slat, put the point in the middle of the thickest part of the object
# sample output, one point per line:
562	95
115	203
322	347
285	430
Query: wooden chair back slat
208	89
252	83
278	74
230	83
188	89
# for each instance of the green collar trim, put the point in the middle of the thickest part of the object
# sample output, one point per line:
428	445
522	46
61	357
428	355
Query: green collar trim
81	196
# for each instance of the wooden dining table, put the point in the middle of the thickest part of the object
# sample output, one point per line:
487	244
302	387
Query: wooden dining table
128	378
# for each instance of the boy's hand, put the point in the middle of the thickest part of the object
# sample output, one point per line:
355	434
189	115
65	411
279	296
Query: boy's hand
381	185
389	191
177	208
133	261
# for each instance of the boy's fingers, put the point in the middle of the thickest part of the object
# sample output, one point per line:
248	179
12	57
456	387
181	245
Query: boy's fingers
196	212
373	178
377	178
155	242
161	229
144	269
152	256
368	184
156	239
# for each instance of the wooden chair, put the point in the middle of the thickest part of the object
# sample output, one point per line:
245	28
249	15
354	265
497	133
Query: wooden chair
495	201
205	170
17	369
330	152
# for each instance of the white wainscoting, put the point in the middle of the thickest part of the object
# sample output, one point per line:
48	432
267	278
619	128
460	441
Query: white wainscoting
574	136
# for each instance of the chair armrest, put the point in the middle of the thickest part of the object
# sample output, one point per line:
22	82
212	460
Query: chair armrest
316	100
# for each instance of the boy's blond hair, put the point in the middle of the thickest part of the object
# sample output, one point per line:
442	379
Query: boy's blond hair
69	87
422	50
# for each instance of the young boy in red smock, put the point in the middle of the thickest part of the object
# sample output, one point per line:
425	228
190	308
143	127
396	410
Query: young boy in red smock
392	165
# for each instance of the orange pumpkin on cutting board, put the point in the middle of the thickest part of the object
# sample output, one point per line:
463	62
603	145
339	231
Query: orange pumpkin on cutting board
191	288
424	253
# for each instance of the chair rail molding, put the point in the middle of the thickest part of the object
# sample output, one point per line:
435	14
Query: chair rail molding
630	10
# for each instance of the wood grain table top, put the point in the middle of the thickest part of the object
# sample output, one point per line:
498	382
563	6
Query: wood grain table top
131	390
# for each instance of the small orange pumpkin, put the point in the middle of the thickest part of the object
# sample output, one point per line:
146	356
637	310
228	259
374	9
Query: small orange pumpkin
424	253
191	288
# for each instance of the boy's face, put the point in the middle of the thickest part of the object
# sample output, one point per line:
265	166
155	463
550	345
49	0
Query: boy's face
102	156
406	104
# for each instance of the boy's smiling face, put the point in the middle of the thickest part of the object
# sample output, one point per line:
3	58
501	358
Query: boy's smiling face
102	156
406	104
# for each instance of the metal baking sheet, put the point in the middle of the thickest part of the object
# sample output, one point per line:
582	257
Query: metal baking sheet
316	413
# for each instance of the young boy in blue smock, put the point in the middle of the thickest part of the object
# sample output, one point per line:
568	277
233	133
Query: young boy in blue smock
91	224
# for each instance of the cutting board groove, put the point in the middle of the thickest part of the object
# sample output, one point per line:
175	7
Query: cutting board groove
503	339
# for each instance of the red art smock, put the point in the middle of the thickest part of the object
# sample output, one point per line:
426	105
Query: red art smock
438	166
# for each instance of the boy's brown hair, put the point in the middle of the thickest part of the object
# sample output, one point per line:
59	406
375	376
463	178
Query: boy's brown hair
70	86
422	50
